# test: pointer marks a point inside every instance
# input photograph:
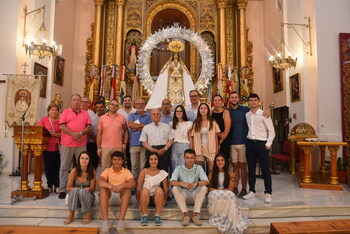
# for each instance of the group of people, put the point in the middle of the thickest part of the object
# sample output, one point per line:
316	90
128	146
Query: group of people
167	153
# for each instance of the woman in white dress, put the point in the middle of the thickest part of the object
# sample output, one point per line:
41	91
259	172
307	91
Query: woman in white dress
152	186
222	207
174	83
180	127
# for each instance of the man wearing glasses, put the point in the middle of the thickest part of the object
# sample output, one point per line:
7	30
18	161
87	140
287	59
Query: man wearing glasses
136	123
191	109
112	134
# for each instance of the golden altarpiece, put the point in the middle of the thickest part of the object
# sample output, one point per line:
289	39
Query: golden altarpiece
121	24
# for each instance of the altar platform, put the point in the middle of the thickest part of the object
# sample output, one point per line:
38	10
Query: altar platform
289	203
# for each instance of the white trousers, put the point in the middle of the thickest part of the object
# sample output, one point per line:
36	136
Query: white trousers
195	197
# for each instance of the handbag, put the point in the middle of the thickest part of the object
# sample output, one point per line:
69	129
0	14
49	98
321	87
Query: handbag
58	142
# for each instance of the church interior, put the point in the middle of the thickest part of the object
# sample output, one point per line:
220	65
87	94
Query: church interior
294	54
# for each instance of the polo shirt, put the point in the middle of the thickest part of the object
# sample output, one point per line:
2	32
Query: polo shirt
156	134
76	122
191	112
125	114
52	145
116	178
94	121
193	175
112	129
143	119
239	127
167	118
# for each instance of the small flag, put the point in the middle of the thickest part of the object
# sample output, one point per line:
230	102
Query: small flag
102	83
122	72
114	83
92	85
219	74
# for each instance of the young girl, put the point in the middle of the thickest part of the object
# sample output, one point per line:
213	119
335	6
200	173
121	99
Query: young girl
225	214
80	187
148	187
204	135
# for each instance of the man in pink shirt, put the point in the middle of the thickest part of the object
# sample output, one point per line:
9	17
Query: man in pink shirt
75	124
112	134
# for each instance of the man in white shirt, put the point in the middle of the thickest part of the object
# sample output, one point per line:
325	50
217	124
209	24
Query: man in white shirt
157	137
192	109
260	137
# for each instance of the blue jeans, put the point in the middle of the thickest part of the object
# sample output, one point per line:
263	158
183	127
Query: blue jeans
177	154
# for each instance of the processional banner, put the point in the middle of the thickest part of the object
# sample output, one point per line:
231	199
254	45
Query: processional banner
344	45
22	99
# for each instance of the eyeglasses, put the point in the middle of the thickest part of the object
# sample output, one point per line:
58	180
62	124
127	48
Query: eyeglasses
166	104
193	96
85	101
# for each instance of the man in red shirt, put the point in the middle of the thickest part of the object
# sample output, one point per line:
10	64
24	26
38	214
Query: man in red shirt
75	124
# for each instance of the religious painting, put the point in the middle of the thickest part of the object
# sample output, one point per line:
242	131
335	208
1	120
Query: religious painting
59	70
22	100
40	72
295	89
277	78
143	92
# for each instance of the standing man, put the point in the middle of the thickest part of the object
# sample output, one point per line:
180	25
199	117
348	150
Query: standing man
91	146
260	136
166	114
126	111
192	109
136	123
112	134
157	137
238	136
189	186
75	124
100	107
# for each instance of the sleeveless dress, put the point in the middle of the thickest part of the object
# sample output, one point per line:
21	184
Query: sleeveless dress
79	197
224	211
225	145
153	182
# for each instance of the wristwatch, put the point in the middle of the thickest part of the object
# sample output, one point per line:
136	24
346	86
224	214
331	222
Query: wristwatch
81	133
165	148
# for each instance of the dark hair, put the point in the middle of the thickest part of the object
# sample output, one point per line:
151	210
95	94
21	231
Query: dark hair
235	92
114	100
117	154
253	95
127	96
172	56
148	165
198	121
89	170
175	119
194	90
100	102
51	106
190	151
215	173
218	95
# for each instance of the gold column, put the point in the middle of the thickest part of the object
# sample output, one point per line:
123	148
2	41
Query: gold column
222	4
97	32
118	42
242	6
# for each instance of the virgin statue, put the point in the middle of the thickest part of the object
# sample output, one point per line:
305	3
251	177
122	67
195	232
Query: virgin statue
174	83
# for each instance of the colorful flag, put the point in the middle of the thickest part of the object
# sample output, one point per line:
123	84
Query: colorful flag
122	72
102	83
92	85
219	74
114	83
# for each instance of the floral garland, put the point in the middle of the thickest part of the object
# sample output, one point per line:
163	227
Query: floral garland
175	32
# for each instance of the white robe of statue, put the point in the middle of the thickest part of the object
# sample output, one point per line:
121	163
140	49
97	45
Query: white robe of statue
174	83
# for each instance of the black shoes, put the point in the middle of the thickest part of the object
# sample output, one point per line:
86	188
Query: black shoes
242	193
235	191
62	195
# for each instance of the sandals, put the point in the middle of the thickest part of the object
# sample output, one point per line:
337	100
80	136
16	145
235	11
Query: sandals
87	218
57	190
70	218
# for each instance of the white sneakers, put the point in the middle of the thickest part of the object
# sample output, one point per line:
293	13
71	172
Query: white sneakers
251	195
105	227
267	198
121	225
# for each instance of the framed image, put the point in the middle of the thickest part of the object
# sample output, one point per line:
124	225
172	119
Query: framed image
277	78
143	92
41	70
59	70
295	89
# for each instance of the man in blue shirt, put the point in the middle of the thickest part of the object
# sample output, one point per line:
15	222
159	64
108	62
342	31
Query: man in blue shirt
166	115
136	123
189	184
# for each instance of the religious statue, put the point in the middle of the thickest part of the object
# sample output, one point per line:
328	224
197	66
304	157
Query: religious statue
58	101
22	102
132	55
174	83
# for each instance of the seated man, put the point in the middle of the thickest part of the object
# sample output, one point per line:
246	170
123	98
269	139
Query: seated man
189	185
115	181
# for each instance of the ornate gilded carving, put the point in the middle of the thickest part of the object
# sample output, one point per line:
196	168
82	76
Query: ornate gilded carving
229	35
302	129
250	63
207	20
88	63
242	4
110	39
192	4
222	3
120	2
149	3
99	2
134	16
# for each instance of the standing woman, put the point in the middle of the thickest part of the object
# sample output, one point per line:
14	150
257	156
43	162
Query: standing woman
152	186
52	154
223	119
180	128
81	187
222	207
204	137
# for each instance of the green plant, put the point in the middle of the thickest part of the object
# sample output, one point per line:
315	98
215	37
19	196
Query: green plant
342	164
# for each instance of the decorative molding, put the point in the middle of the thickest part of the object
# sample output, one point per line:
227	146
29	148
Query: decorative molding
110	38
207	19
242	4
222	3
229	35
193	4
99	2
149	3
134	16
88	59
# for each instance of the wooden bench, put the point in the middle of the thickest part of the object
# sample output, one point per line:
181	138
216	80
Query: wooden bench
319	227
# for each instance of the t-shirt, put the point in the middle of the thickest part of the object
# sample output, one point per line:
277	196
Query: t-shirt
116	178
52	145
181	131
112	130
193	175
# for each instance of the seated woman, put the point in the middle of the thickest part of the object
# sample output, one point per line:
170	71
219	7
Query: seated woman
81	187
149	187
223	210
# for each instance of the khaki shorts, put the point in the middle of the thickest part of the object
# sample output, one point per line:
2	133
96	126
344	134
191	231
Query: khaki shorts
205	154
238	153
106	156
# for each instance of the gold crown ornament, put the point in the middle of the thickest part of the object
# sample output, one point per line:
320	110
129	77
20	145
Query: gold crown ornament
176	46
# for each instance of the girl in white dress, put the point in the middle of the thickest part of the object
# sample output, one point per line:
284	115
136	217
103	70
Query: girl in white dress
222	207
152	186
